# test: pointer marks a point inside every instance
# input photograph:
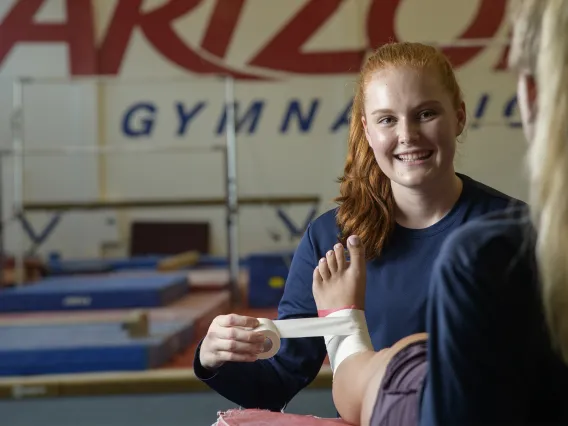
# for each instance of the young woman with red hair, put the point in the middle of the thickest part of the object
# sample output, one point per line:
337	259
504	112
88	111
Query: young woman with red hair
399	193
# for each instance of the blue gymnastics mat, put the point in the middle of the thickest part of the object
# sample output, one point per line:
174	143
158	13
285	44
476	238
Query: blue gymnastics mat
90	347
95	292
78	267
57	266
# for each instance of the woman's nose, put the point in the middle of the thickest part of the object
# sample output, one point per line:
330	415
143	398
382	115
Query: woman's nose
407	132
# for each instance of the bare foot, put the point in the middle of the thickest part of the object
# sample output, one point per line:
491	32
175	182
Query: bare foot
338	283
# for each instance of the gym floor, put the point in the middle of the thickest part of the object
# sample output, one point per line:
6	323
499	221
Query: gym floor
188	409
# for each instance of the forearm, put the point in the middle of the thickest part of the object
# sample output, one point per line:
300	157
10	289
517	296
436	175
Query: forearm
266	384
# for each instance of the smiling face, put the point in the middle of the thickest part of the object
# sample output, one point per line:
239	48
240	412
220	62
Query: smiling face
411	124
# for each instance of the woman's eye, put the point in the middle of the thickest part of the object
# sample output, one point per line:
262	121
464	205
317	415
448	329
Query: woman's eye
385	120
426	114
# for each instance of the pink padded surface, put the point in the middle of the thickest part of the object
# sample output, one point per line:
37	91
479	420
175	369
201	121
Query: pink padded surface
269	418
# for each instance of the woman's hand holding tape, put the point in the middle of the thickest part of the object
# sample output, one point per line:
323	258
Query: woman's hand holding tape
231	338
239	338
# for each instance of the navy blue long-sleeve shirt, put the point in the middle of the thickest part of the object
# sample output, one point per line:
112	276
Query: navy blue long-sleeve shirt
490	357
397	292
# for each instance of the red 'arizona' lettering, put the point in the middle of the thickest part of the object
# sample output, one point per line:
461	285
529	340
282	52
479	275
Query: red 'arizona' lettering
283	52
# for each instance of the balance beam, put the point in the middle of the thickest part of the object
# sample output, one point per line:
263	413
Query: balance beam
165	202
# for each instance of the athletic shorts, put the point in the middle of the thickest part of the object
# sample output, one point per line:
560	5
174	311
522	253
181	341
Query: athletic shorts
398	400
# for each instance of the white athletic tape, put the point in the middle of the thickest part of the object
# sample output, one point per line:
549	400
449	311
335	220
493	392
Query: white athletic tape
345	333
340	347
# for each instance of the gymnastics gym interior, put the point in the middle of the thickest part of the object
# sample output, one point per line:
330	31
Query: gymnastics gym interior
160	161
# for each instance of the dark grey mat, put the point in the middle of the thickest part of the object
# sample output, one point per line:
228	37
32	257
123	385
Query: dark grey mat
191	409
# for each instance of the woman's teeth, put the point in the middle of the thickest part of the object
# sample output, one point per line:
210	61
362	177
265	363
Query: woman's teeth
422	155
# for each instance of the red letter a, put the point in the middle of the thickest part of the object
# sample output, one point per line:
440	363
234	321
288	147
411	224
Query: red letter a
77	32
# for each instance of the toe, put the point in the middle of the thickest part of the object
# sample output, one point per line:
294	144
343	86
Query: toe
331	261
340	256
324	269
356	252
317	277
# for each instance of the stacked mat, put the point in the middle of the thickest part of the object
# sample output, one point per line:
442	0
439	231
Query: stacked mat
51	338
112	291
95	347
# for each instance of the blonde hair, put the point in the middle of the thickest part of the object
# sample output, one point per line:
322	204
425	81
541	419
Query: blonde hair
541	47
366	203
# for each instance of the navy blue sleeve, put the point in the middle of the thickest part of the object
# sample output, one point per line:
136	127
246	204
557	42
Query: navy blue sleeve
475	344
272	383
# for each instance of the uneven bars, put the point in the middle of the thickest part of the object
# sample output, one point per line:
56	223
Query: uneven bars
19	151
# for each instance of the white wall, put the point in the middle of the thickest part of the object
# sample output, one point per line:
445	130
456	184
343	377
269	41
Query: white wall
270	161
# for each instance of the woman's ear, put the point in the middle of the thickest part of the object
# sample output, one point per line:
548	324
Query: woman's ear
364	122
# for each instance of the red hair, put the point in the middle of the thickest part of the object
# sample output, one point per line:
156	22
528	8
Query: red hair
366	203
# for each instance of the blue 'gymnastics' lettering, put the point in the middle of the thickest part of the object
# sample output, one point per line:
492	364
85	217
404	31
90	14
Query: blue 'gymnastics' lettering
252	115
185	117
510	110
342	119
146	122
295	110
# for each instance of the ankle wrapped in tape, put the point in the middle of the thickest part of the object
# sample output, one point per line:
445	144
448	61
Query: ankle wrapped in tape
344	331
341	347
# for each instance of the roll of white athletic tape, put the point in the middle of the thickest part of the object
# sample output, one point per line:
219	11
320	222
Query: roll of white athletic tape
276	330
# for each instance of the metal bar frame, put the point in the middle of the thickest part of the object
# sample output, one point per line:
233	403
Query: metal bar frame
18	138
232	210
18	152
